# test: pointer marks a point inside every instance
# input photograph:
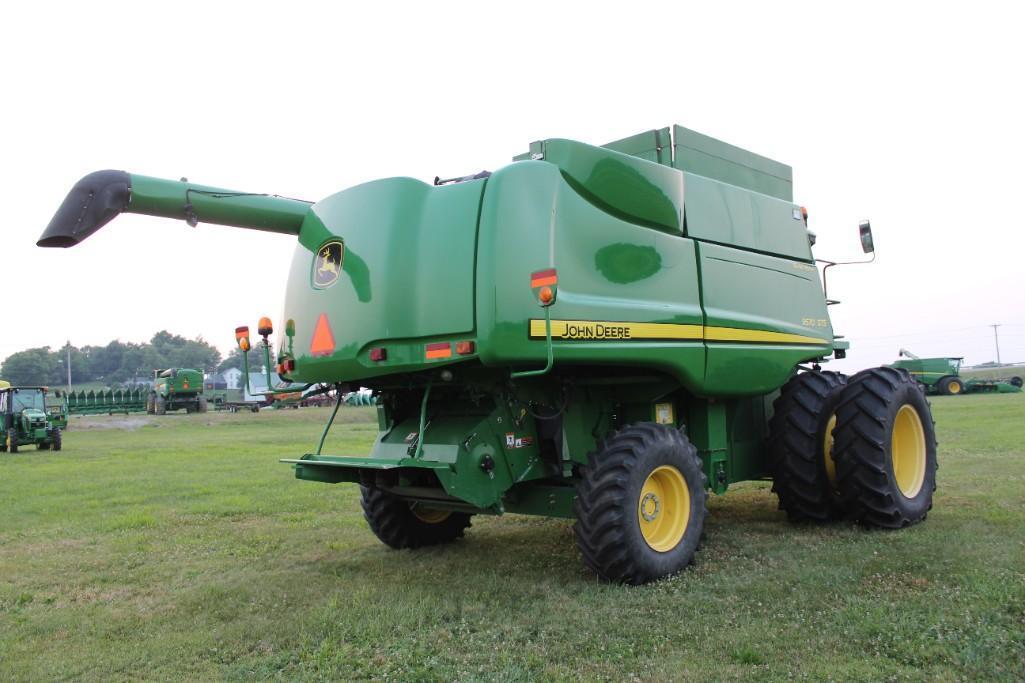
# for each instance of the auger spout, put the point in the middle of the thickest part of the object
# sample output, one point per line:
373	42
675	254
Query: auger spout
99	197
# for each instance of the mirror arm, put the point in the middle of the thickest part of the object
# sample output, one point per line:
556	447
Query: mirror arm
825	287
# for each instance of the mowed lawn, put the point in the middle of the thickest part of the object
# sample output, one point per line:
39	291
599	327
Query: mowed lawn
178	548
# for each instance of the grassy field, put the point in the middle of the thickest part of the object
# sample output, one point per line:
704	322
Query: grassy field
178	548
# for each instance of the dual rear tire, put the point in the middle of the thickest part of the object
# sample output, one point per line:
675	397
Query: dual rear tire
871	456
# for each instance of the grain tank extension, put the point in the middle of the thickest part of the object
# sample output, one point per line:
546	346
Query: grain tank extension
597	333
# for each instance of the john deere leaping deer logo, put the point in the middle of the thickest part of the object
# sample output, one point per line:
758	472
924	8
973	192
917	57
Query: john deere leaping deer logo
328	264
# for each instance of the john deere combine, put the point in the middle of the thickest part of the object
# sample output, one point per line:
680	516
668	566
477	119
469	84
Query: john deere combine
943	376
174	389
597	333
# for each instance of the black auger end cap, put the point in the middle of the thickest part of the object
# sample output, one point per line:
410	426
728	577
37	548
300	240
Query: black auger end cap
92	203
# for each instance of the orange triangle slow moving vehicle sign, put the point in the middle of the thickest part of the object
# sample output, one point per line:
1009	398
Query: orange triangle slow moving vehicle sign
323	343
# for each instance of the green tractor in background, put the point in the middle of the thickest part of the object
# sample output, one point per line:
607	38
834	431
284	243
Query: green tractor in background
943	376
56	403
174	389
603	334
24	419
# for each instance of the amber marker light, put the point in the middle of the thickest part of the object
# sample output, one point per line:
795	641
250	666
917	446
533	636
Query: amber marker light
544	283
242	337
265	328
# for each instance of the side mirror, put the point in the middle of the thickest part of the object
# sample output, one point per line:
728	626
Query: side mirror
865	231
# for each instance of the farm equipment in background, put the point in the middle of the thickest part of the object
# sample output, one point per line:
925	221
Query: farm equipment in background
56	403
174	389
24	419
360	398
108	401
943	376
597	333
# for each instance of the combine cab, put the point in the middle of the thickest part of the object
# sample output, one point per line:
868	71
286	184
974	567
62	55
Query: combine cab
605	334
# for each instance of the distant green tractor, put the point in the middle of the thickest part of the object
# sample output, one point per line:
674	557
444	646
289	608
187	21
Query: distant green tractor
25	420
56	403
943	376
174	389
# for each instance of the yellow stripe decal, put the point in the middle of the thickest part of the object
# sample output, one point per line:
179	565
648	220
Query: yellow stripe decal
745	335
605	330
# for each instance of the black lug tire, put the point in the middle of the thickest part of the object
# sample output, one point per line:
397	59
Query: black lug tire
946	386
607	529
57	439
149	405
43	446
159	406
863	442
201	405
797	431
1016	381
393	522
12	441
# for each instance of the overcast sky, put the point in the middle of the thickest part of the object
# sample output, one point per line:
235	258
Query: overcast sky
911	115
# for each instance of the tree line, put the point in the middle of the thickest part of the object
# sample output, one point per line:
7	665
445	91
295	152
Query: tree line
116	363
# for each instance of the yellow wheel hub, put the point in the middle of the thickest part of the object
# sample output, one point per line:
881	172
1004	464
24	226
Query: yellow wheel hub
955	387
430	515
663	510
907	450
827	451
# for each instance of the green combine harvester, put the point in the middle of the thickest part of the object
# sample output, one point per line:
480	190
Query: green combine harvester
603	334
175	389
25	419
943	376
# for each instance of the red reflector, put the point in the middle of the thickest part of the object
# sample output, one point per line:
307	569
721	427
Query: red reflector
438	350
378	354
290	364
464	348
544	277
241	332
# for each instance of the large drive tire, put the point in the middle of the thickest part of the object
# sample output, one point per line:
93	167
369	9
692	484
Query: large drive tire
640	505
150	409
949	386
800	446
1016	381
12	441
56	439
885	445
201	405
400	524
159	405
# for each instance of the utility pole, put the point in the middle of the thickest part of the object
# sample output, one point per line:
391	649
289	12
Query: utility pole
996	339
68	363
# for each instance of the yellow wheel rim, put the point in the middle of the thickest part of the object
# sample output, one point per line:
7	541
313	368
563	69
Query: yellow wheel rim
663	510
907	450
430	515
955	387
827	451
